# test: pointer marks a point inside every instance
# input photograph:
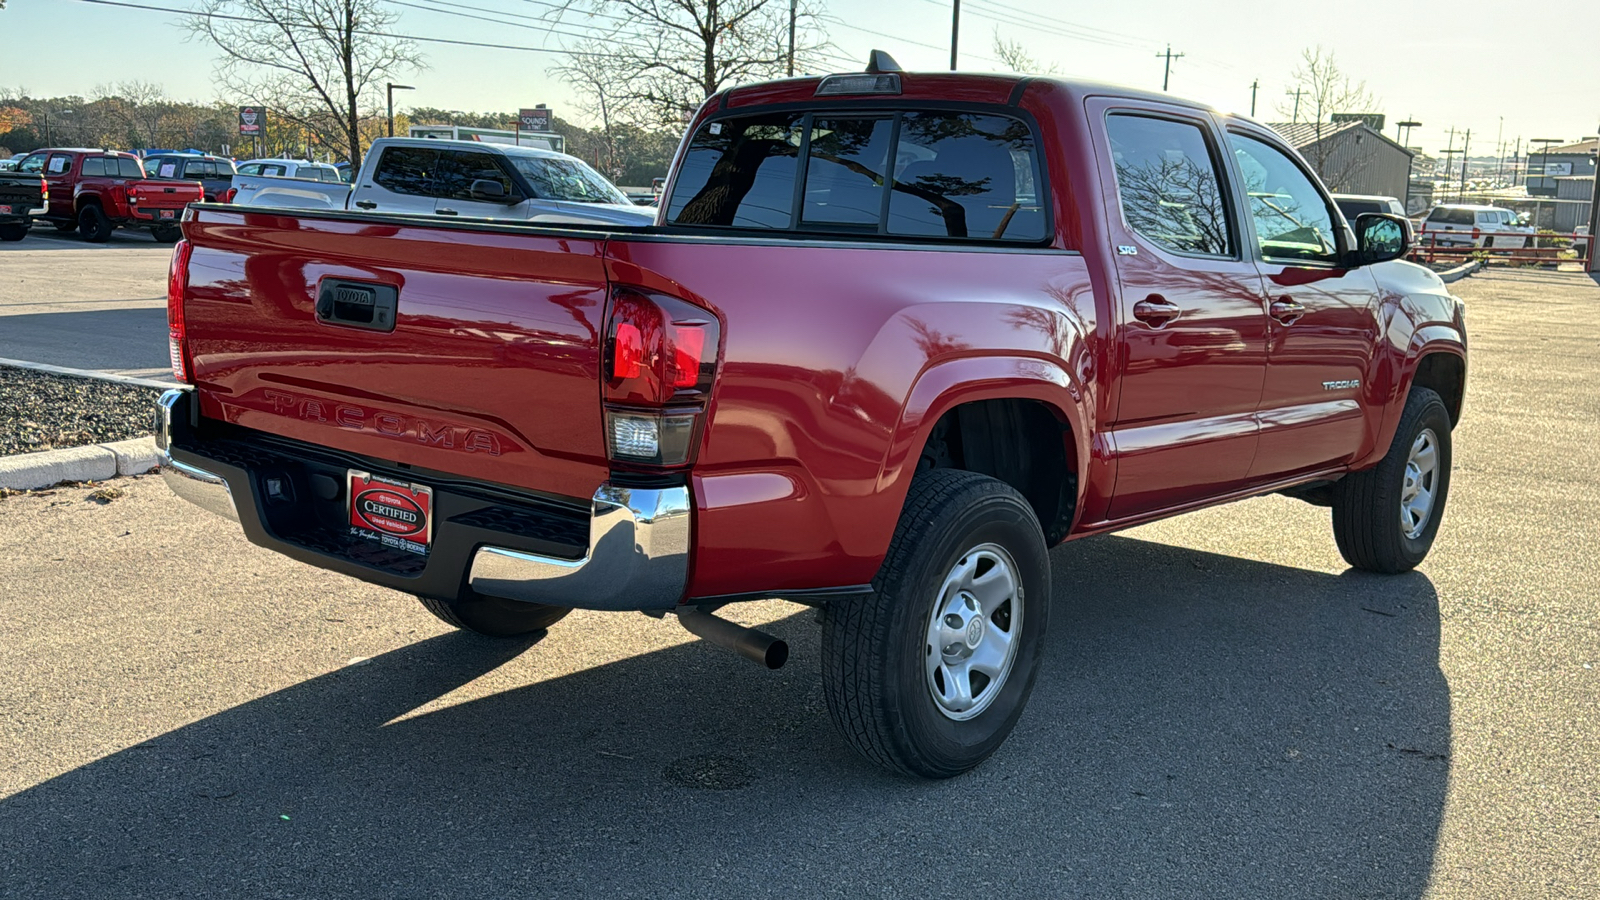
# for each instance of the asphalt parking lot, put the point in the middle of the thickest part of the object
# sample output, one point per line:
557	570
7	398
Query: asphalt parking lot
1225	710
67	302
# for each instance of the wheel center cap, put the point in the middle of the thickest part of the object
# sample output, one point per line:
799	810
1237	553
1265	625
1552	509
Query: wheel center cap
974	632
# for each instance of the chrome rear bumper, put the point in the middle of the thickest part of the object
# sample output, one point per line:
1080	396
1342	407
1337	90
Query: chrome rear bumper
637	557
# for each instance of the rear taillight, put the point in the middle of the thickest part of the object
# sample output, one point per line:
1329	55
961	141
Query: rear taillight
659	364
44	189
177	332
227	195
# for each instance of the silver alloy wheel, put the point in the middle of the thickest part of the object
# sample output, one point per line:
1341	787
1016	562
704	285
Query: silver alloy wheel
1421	484
972	632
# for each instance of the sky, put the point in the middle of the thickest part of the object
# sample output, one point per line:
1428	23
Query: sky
1501	69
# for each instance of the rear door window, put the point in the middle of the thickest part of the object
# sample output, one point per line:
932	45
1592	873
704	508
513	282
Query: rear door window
94	165
407	170
739	173
1168	185
58	164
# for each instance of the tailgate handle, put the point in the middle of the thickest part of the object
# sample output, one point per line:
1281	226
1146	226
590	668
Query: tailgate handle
357	304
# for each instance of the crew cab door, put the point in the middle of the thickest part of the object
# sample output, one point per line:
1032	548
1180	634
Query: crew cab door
1323	316
452	187
401	181
1191	328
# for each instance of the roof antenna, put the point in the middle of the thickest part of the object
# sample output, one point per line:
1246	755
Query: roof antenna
880	61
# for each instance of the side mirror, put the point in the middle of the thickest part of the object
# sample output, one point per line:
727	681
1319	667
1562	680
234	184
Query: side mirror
491	191
1381	237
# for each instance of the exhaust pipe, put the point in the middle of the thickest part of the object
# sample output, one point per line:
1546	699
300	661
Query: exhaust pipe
754	645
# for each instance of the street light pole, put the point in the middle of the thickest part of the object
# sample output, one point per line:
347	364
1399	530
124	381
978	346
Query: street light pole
955	31
392	88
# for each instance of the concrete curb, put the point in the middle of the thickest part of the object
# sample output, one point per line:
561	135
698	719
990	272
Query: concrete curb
94	462
87	373
1460	272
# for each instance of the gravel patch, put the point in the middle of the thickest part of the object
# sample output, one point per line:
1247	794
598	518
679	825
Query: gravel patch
44	411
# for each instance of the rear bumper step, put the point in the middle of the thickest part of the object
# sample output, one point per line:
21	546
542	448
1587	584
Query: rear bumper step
636	555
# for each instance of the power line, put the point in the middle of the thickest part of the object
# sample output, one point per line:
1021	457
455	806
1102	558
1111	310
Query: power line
189	13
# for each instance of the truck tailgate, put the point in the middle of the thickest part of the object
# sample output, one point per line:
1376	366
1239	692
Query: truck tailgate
490	371
156	194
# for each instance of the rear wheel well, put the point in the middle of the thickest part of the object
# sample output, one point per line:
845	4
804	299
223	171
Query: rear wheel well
1444	374
1023	443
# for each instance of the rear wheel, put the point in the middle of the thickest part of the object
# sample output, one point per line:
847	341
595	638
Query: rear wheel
928	675
494	616
13	232
1385	519
166	234
93	225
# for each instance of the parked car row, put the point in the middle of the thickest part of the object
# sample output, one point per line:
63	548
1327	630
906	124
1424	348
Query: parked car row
97	191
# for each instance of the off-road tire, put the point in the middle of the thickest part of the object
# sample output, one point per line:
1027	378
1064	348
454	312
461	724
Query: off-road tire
493	616
93	226
13	232
1366	505
873	647
166	234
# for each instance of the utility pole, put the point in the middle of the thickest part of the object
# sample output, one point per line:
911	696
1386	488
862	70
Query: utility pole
1461	195
1253	85
792	4
1407	125
1515	155
955	31
1296	95
1170	56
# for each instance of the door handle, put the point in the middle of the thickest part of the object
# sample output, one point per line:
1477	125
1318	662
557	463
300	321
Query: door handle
446	211
367	204
1156	311
1286	311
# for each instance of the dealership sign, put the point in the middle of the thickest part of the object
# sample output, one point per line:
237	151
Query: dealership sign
251	119
536	119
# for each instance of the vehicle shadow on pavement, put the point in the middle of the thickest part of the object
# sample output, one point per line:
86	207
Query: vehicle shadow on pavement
1205	726
108	339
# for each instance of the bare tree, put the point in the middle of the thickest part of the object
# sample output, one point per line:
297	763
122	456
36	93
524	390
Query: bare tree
319	64
1017	59
1321	89
652	62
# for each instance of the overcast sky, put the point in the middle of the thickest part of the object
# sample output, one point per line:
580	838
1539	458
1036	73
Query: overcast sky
1464	63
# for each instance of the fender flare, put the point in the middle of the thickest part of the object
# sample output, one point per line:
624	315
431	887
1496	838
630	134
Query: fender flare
946	385
1427	340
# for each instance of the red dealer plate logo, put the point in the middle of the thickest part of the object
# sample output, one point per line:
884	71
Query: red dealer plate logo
394	513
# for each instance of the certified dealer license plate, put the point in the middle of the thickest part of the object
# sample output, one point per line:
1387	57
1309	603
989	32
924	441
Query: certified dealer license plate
4	210
394	513
167	213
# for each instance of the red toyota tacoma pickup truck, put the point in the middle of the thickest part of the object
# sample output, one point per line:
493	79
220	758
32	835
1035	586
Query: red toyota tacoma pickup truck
893	337
97	191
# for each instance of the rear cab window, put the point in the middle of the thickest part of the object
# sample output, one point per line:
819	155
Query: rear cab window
407	170
918	174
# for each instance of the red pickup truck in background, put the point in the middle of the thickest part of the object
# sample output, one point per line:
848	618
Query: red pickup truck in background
98	191
893	337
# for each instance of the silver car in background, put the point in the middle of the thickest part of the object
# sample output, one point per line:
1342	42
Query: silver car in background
466	179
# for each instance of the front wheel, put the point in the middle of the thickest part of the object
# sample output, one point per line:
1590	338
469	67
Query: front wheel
495	616
928	674
1385	518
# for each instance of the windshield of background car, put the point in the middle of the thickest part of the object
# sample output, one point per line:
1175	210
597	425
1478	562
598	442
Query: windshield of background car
566	179
917	174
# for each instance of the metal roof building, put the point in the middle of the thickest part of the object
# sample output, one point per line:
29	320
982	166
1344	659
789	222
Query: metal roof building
1350	157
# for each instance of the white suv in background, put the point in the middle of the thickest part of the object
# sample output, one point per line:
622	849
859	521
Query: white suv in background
1472	225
